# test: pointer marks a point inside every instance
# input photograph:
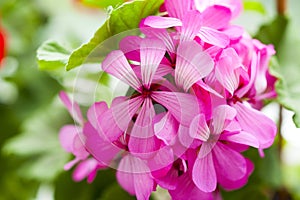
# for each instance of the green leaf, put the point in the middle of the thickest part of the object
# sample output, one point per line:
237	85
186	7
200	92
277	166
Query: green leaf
124	18
288	73
38	144
254	6
116	192
273	33
52	56
102	3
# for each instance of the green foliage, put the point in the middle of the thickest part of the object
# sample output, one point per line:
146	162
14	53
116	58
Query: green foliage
52	56
254	6
102	3
284	35
124	18
38	144
116	192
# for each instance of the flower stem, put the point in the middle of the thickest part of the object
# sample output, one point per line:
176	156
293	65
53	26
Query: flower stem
281	6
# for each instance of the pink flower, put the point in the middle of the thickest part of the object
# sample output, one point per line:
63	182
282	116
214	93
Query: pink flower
191	23
211	164
116	120
71	139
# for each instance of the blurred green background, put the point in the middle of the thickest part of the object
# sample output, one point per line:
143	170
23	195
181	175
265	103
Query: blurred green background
31	159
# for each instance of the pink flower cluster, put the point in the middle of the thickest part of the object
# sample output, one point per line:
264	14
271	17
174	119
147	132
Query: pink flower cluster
198	83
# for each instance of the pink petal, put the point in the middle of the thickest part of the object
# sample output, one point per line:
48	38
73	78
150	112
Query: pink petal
227	70
214	37
162	22
192	64
70	164
67	135
241	138
166	129
152	52
161	162
254	65
130	46
229	163
101	149
72	107
220	115
184	107
78	147
206	148
257	124
187	190
234	32
199	129
115	121
133	175
233	185
204	174
117	65
216	17
191	24
170	180
161	34
84	169
94	111
142	139
178	8
208	88
184	137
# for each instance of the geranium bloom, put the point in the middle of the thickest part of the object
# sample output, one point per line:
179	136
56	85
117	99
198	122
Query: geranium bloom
70	137
211	165
180	105
196	86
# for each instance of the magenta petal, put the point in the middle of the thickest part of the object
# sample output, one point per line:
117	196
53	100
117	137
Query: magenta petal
162	22
94	111
84	169
133	175
234	32
214	37
191	24
216	17
166	129
229	163
102	150
161	162
199	129
227	70
206	148
184	137
152	52
233	185
186	190
67	135
117	65
78	147
178	8
115	121
257	124
192	64
220	115
241	138
142	140
184	107
72	107
204	174
130	46
208	88
161	34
